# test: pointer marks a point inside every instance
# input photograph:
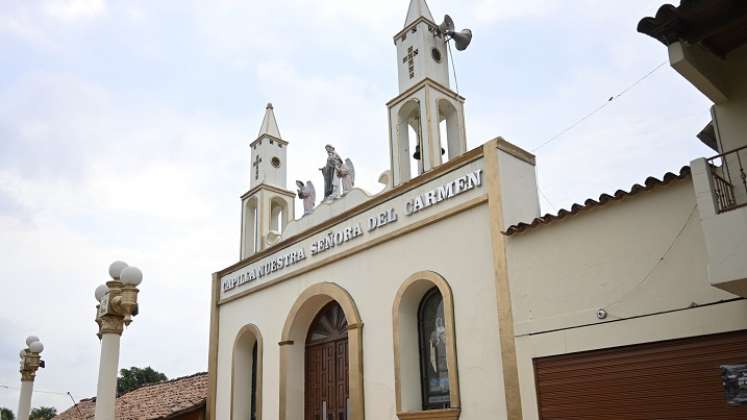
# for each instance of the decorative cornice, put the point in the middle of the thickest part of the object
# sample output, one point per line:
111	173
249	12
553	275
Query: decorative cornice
412	25
427	81
515	151
271	137
30	363
111	324
269	188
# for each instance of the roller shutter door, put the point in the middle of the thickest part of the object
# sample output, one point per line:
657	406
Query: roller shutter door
678	379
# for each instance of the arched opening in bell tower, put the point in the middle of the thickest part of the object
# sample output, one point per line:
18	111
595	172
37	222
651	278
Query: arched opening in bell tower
251	227
278	215
448	129
410	140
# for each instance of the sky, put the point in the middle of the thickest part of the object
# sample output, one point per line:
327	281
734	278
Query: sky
125	130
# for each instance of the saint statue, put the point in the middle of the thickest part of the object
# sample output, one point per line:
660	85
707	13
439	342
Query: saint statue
308	194
330	172
347	175
437	350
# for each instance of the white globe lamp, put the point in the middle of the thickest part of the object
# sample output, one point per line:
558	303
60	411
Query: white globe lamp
115	269
36	347
101	291
131	276
31	339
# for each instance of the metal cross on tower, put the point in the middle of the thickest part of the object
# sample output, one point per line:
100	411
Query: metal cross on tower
256	163
410	60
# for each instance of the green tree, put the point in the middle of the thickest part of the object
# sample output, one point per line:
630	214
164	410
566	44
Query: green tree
42	413
6	414
134	378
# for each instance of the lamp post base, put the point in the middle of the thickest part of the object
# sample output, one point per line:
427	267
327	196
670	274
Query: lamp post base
106	391
24	402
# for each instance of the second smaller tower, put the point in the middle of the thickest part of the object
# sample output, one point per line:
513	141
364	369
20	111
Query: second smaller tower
268	206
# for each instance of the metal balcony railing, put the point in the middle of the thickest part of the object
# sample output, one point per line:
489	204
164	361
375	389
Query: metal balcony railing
729	179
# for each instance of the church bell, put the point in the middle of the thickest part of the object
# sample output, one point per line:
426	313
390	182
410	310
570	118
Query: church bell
416	155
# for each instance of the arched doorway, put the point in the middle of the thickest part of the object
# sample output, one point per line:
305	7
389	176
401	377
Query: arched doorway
326	379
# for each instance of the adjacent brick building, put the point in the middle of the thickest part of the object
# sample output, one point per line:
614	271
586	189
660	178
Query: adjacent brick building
177	399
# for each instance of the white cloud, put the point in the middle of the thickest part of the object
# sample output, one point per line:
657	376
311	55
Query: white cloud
504	10
74	10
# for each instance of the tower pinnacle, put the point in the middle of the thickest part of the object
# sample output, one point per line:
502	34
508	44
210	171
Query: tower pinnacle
418	8
269	124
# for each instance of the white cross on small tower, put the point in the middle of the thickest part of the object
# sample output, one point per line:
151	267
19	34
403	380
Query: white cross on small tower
256	163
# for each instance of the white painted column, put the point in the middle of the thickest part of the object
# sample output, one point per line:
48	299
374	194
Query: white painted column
106	394
24	402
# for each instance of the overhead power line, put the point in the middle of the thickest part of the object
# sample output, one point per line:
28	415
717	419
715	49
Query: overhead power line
35	390
600	107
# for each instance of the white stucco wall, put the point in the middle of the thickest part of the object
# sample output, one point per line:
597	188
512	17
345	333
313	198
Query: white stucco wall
731	115
642	259
519	197
373	278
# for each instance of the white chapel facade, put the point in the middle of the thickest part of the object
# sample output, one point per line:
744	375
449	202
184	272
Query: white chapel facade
447	295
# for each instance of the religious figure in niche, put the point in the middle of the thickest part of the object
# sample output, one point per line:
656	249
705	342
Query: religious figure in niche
347	175
308	194
330	172
437	343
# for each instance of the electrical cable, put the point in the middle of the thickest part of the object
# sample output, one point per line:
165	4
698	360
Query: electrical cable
75	404
453	66
601	107
658	262
36	390
542	193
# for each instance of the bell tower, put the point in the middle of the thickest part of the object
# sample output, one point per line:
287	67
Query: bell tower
427	117
268	206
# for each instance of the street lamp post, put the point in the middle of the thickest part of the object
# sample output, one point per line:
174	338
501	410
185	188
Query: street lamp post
30	362
117	305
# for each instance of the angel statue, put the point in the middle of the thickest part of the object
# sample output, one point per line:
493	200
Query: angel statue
330	172
308	194
347	175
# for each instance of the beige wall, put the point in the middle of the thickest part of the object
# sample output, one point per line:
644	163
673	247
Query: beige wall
372	278
520	202
731	115
608	258
725	235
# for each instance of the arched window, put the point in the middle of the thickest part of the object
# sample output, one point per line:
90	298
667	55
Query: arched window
253	393
426	375
246	381
434	369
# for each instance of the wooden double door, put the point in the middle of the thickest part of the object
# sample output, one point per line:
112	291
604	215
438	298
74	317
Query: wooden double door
326	368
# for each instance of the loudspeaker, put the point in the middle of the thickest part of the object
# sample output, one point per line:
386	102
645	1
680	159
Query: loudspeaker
461	39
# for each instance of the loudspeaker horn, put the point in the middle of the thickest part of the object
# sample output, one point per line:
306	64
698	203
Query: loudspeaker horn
447	26
461	39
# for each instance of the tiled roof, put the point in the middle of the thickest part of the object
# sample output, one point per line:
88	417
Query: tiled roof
163	400
719	25
650	183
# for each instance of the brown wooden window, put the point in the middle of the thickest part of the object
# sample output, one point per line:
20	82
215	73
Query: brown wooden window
434	372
